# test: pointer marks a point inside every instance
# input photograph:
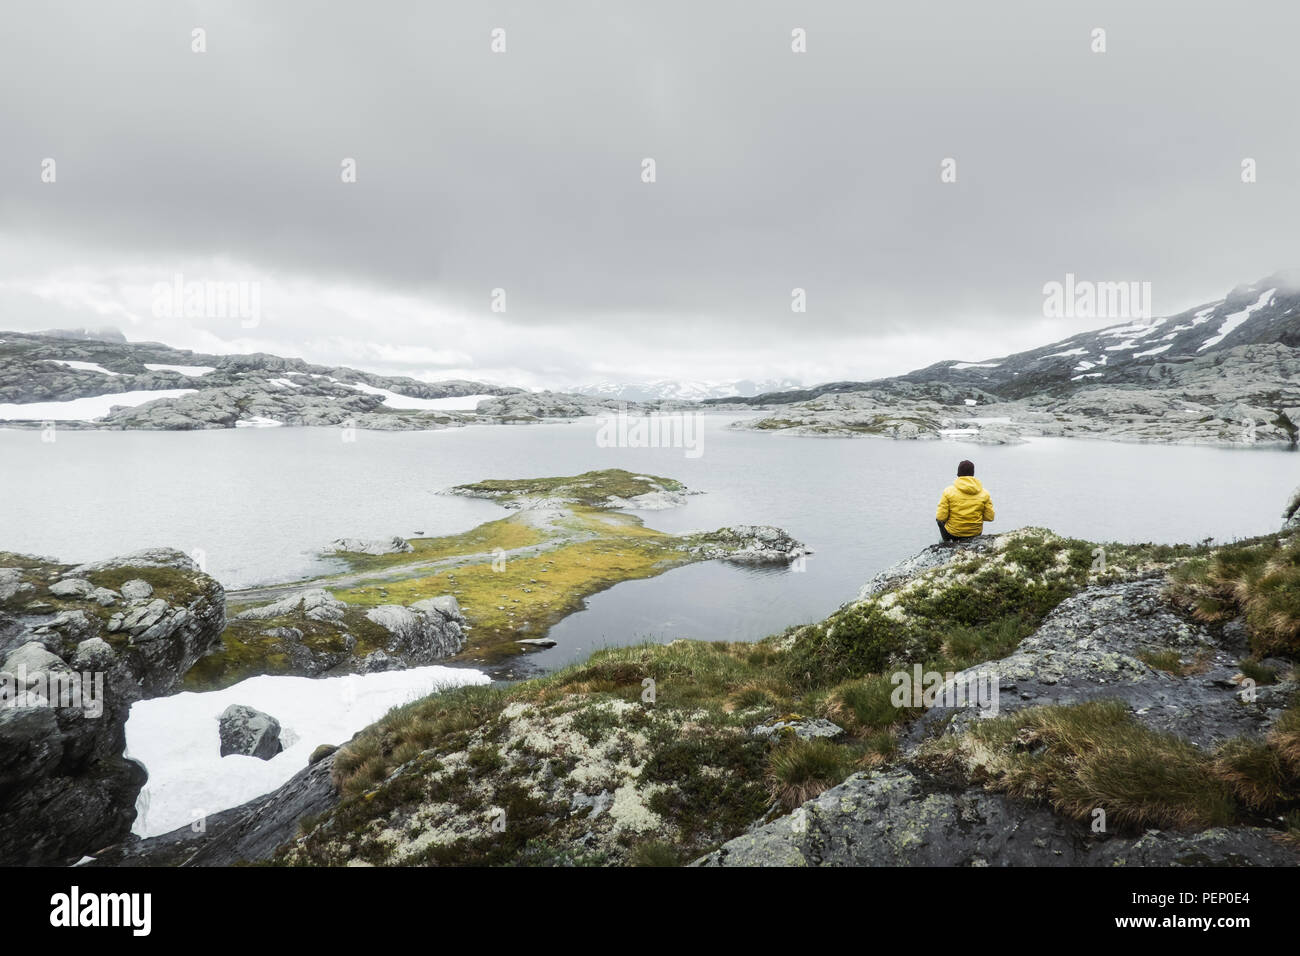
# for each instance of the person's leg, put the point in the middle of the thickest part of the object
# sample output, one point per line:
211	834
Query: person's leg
943	532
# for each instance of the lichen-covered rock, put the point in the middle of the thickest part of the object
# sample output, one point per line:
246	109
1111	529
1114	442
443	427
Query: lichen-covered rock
1291	513
11	579
895	818
248	732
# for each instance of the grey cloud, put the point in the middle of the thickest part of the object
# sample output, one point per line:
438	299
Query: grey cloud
775	170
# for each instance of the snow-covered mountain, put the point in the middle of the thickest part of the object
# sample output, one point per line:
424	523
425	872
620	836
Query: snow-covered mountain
683	391
1143	352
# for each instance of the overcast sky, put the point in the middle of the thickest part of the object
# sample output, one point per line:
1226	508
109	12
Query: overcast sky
522	170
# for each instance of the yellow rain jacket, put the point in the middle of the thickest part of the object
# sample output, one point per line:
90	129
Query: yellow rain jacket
964	507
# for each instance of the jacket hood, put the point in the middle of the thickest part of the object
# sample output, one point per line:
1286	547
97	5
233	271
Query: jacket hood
968	485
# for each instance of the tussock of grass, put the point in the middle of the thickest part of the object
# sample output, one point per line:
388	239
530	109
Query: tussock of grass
1255	772
1285	737
801	769
442	721
1259	673
1169	661
1260	579
1085	756
864	706
656	853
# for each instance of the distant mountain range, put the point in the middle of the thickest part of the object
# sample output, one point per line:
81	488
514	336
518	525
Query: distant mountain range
1223	373
1139	352
667	389
1227	371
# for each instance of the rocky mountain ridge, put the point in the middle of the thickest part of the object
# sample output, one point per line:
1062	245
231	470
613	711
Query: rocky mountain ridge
1224	373
199	390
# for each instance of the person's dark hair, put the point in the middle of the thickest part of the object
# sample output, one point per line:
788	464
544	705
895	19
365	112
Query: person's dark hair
965	468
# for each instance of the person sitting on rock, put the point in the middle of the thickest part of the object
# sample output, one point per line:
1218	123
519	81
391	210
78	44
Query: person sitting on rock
964	507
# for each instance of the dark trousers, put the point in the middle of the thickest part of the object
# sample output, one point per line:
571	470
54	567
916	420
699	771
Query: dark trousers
946	535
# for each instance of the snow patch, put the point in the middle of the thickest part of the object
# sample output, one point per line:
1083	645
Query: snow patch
1155	351
406	402
85	409
1236	318
177	740
84	366
193	371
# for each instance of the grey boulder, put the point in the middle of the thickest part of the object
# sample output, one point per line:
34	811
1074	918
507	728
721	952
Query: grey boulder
249	732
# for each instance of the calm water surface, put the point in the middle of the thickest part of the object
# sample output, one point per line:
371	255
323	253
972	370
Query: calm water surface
261	503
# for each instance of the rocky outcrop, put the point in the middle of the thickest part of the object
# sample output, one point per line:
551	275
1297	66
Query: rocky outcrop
312	633
897	818
1092	648
316	604
248	732
1291	513
394	545
1098	645
70	668
424	632
752	544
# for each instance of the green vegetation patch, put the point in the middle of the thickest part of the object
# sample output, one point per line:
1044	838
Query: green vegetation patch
506	534
592	488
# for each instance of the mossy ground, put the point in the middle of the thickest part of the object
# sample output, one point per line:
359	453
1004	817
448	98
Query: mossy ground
592	488
506	534
523	596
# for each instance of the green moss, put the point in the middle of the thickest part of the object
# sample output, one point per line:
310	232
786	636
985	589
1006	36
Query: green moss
713	784
170	584
527	595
